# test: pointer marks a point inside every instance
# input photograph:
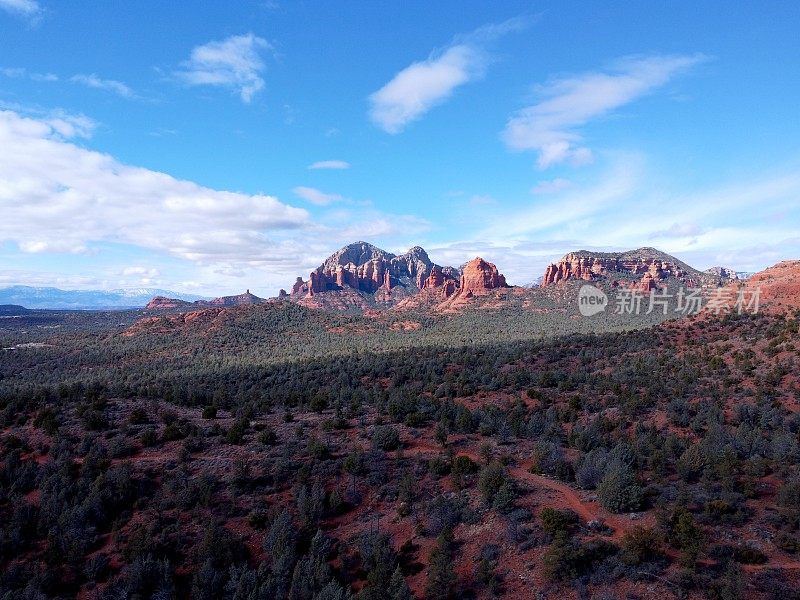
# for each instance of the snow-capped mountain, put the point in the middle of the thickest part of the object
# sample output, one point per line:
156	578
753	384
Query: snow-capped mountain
54	298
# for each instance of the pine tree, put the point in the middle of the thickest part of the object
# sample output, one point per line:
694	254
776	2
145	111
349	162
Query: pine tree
619	491
398	588
441	576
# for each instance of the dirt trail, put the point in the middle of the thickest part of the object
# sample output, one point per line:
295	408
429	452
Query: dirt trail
588	510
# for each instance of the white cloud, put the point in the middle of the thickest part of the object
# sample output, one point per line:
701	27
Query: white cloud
234	62
25	8
550	126
481	200
140	272
348	225
64	124
58	197
111	85
748	225
17	72
316	196
330	164
12	71
678	230
551	186
68	125
424	84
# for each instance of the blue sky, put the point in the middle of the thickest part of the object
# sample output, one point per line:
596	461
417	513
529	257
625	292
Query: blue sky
211	147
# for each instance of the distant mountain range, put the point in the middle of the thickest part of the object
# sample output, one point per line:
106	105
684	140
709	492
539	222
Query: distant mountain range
363	276
54	298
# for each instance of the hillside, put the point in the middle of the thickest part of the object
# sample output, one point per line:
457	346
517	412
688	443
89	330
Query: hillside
505	447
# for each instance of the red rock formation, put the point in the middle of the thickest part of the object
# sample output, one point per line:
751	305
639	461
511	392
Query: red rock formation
478	276
299	286
587	267
647	283
370	270
435	279
240	300
778	287
314	283
163	303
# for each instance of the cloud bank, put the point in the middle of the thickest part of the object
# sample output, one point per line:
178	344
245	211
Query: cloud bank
59	197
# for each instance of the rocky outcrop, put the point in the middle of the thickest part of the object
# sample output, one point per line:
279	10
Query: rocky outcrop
479	276
299	287
632	265
726	273
384	276
365	277
241	300
648	282
436	278
777	288
449	288
204	318
164	303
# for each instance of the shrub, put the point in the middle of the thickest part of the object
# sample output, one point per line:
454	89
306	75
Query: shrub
148	437
462	467
685	535
385	438
47	420
439	466
619	491
210	412
640	545
138	416
441	576
548	459
591	468
258	519
505	497
235	435
318	449
566	559
172	431
96	568
318	404
749	555
491	479
789	495
556	521
268	437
